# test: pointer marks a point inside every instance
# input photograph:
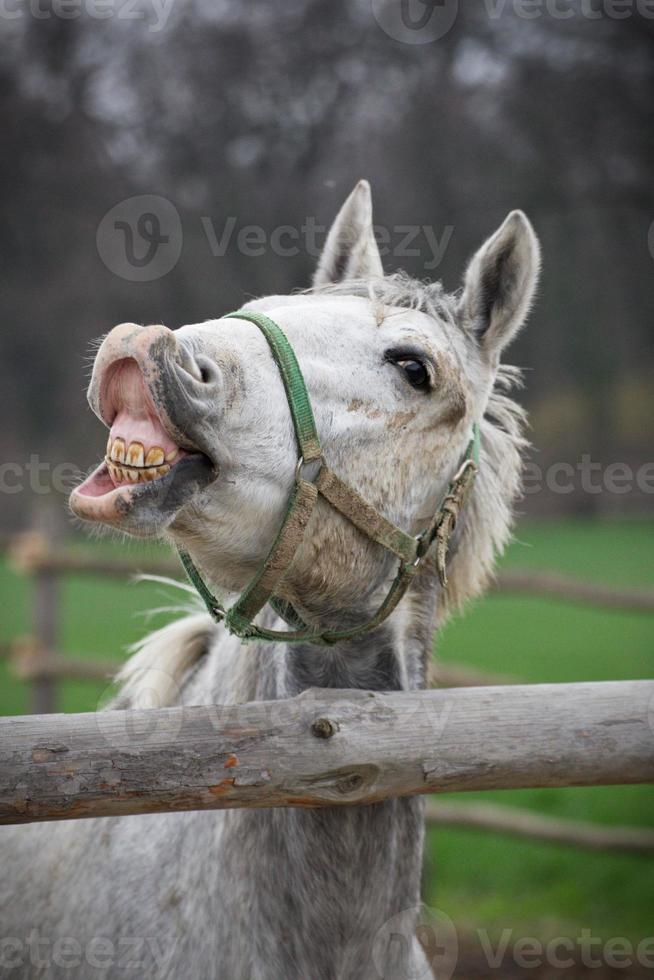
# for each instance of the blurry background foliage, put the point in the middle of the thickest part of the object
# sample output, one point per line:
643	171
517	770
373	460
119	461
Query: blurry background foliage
268	114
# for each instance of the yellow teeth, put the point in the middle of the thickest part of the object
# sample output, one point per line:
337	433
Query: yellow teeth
135	454
134	465
123	474
155	457
118	451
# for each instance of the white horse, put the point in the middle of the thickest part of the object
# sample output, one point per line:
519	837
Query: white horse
202	451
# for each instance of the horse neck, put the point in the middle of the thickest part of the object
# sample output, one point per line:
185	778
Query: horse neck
341	873
393	657
390	658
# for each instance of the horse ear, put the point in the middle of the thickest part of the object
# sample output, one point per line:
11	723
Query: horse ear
350	251
499	284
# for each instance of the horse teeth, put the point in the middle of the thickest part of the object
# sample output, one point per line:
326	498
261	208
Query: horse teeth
154	457
135	454
141	467
118	451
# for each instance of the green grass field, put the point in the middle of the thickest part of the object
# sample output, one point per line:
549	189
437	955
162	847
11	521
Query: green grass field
479	880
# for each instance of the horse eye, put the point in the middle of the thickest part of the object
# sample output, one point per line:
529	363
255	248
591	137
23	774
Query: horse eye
416	374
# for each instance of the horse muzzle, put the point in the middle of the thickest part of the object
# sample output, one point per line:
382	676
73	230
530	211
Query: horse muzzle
153	395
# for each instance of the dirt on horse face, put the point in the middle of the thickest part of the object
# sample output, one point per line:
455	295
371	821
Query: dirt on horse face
202	451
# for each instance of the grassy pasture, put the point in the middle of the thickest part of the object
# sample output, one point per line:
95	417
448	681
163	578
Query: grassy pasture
479	880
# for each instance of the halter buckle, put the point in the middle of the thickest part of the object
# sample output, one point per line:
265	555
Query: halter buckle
420	551
319	462
467	464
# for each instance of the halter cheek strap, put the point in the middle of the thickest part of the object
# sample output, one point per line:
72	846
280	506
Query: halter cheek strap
410	550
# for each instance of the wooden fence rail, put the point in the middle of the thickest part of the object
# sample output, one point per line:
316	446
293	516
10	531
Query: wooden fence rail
325	748
493	818
32	553
29	662
34	659
567	589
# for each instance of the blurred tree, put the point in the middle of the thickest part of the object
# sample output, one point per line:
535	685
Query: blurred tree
266	115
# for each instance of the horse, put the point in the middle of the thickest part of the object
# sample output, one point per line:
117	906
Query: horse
402	379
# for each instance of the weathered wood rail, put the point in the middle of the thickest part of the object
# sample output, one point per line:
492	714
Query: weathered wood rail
34	660
30	662
325	749
515	822
567	589
32	553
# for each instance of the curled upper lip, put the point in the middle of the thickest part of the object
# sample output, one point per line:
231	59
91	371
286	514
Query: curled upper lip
170	376
150	401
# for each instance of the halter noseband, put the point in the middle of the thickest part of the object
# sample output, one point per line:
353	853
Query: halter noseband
410	550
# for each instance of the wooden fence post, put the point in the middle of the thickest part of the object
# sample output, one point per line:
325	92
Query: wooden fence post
29	552
46	624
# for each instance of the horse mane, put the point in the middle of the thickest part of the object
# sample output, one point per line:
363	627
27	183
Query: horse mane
399	290
489	514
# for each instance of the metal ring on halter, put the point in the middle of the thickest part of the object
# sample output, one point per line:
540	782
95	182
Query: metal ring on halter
465	465
419	554
302	462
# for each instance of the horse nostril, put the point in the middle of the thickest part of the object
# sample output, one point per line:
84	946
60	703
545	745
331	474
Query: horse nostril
206	369
200	368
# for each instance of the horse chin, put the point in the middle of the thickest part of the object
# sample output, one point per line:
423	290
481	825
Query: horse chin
142	509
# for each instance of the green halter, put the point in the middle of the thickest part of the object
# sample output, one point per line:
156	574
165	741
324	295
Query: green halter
410	550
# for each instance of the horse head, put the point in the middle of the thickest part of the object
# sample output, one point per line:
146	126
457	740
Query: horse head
202	449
